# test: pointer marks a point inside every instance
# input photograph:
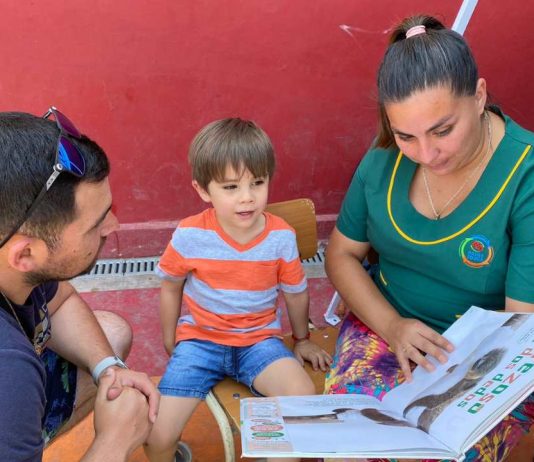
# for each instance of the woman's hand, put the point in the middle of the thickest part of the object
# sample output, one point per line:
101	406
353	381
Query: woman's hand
412	340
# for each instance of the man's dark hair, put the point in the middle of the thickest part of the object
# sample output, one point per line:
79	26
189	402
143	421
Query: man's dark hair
28	147
437	57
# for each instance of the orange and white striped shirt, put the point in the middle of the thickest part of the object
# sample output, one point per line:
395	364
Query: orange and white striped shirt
231	289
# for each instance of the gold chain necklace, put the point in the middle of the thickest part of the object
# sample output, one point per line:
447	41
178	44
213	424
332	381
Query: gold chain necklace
437	215
38	349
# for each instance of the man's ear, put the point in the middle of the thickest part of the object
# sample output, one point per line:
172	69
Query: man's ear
204	195
25	253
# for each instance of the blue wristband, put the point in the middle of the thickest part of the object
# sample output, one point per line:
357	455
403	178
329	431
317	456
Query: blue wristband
104	364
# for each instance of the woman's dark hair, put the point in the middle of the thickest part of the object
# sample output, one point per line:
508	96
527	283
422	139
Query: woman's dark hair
437	57
27	153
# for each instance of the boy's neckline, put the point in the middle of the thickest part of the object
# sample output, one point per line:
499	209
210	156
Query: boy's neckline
233	242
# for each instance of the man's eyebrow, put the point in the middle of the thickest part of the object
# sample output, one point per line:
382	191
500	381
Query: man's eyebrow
438	124
102	217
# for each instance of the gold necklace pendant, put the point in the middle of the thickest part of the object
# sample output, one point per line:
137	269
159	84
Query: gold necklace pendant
437	215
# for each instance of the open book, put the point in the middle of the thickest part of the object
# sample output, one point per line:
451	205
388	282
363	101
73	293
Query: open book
438	415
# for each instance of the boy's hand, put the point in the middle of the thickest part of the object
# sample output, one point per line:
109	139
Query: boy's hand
313	353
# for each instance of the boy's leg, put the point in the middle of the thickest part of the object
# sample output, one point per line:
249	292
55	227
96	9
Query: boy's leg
276	372
194	367
269	368
174	412
70	391
284	377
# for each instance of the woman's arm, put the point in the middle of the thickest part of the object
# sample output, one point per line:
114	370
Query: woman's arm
519	307
410	339
344	268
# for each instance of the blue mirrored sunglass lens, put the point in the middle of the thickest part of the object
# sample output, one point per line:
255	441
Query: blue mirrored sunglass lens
70	158
65	124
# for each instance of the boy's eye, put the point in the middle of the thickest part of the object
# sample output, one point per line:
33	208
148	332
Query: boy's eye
258	182
229	187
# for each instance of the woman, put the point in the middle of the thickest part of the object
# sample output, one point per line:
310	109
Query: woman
446	197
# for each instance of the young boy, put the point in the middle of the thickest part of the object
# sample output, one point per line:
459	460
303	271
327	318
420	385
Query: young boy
228	264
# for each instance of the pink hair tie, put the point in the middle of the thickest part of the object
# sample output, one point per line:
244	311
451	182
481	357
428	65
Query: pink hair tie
415	30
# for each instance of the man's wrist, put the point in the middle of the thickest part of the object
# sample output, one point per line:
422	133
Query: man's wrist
108	361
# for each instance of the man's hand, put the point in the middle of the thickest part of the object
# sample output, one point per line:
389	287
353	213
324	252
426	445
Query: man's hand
309	351
121	424
412	340
138	380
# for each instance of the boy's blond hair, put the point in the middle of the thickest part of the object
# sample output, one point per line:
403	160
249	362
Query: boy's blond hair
233	142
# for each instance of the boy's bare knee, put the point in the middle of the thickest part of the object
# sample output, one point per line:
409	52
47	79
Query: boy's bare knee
161	443
118	332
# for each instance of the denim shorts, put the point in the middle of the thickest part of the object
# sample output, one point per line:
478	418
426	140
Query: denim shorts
196	366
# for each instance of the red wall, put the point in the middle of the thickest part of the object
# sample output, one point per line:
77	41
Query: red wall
142	77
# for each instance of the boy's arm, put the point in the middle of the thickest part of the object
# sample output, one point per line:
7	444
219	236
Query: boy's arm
304	349
169	311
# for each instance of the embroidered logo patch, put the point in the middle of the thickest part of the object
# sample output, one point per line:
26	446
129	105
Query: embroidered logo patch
476	251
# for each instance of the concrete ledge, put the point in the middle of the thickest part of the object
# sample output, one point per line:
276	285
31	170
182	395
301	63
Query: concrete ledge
149	281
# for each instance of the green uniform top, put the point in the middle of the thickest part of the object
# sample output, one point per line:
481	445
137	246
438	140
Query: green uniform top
434	270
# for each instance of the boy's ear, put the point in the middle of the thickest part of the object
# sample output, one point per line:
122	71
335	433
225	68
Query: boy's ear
204	195
25	253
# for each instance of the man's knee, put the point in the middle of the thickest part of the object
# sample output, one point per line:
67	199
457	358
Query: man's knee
118	332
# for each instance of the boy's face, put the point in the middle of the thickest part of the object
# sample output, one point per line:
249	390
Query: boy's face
239	201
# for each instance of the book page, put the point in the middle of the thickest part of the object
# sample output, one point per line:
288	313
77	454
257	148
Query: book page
325	424
492	365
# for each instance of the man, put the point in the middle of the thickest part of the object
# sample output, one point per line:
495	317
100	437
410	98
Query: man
55	213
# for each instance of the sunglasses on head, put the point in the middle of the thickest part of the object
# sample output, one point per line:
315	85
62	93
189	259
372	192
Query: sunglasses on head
68	159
